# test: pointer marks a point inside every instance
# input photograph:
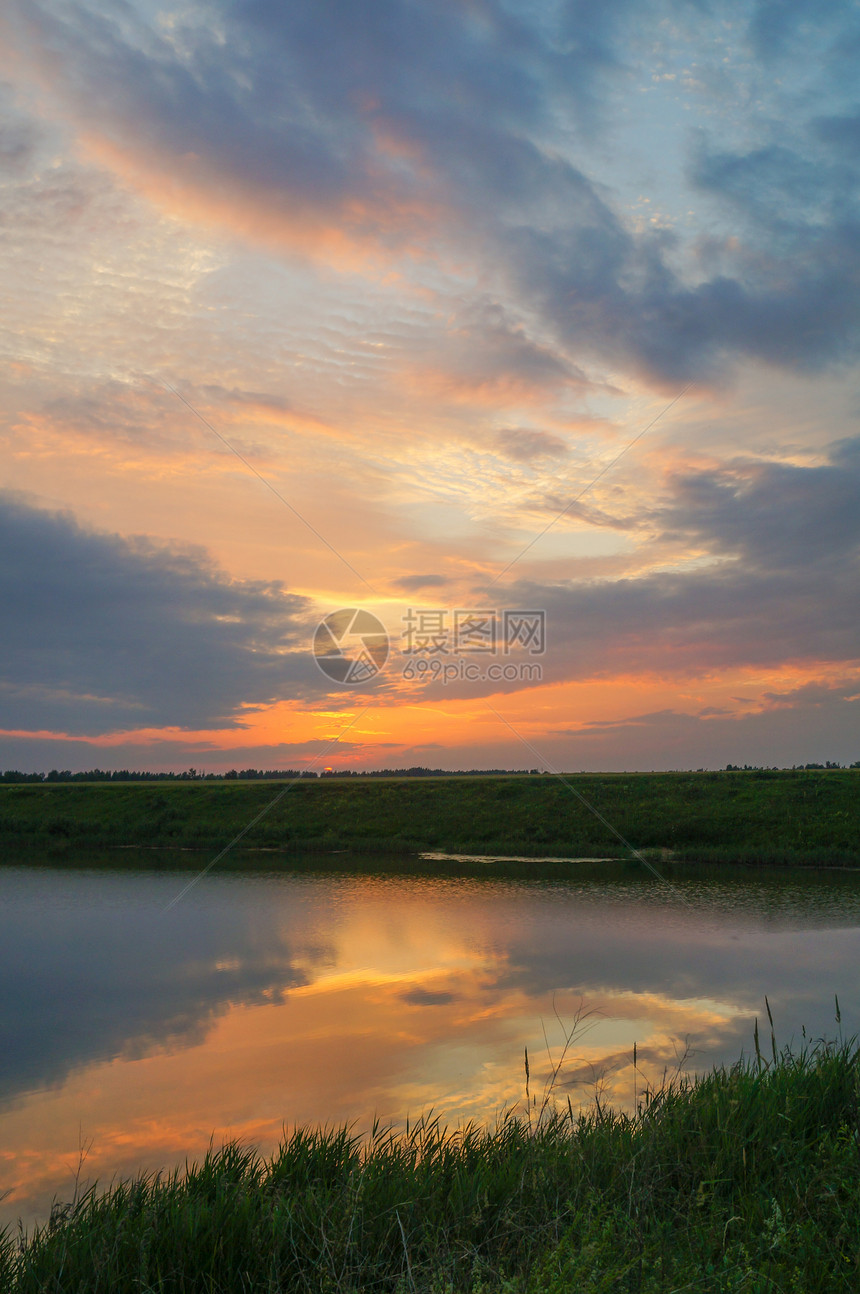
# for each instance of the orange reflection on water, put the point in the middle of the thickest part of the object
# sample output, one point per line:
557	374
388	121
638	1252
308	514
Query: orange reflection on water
347	1049
349	999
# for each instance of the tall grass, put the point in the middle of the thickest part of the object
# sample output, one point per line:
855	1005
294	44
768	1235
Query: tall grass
790	817
746	1179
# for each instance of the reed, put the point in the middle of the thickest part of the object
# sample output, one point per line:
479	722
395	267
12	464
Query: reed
744	1179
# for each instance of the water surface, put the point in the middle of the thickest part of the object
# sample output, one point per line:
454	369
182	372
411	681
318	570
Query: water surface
133	1032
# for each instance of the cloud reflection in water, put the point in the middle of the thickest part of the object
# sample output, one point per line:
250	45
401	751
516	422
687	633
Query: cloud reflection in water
269	999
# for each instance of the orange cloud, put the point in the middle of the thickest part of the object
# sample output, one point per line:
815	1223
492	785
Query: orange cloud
376	731
353	235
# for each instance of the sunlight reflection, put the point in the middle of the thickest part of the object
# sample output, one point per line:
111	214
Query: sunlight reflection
270	1000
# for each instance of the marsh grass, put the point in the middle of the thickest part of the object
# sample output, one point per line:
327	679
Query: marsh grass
745	1179
791	817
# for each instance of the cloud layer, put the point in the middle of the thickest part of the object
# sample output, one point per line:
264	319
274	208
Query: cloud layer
431	269
441	131
100	633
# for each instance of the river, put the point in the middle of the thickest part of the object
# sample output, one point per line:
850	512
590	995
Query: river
139	1022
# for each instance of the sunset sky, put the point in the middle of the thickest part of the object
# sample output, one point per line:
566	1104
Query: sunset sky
324	304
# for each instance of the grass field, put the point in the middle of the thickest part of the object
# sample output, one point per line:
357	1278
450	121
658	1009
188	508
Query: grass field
747	1179
803	817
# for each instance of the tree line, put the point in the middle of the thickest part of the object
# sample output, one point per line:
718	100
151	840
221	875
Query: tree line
246	774
292	774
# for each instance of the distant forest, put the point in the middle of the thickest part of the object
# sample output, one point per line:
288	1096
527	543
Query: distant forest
257	774
288	774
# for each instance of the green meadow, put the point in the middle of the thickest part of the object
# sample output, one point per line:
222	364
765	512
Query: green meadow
747	1179
759	817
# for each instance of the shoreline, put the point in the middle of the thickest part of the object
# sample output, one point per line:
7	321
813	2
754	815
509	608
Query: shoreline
745	1172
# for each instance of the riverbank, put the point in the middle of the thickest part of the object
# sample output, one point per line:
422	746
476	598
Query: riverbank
758	817
747	1179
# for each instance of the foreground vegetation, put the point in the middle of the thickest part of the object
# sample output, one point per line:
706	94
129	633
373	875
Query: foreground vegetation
758	816
747	1179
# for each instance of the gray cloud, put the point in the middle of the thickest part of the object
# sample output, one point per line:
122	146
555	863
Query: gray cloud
775	516
813	723
483	346
41	753
841	132
98	633
412	583
436	124
784	28
525	445
425	997
682	623
779	580
18	138
781	190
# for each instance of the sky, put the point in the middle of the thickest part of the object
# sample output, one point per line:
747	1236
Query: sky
444	311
